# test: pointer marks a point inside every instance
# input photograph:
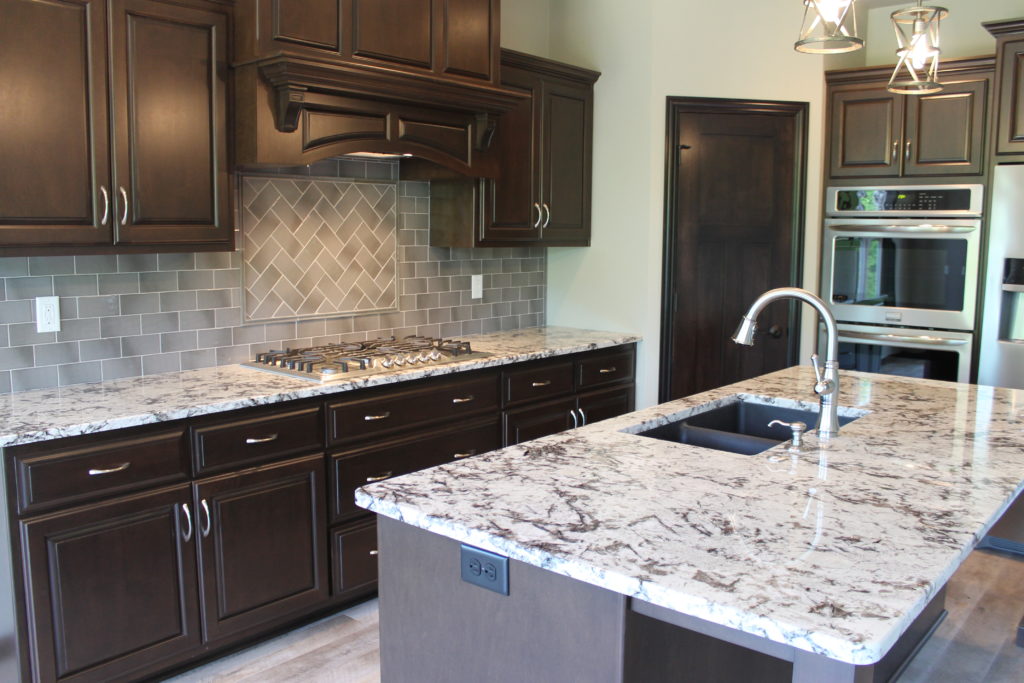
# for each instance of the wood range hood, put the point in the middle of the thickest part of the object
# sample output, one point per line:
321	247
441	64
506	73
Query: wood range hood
342	79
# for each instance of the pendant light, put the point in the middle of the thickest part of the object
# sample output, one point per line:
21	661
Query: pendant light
829	27
917	34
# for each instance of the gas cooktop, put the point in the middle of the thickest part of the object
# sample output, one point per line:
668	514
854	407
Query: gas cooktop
347	360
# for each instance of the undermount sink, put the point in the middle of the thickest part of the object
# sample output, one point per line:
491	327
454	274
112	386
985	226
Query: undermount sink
737	427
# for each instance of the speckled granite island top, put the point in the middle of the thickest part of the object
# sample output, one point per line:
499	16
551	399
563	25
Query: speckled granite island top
85	408
834	549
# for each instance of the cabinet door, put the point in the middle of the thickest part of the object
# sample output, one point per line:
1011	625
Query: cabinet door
1010	129
566	140
511	204
524	424
354	558
111	588
945	131
261	536
169	65
393	32
595	406
468	45
866	137
54	160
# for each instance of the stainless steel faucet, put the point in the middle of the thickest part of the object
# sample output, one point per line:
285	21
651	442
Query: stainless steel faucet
827	386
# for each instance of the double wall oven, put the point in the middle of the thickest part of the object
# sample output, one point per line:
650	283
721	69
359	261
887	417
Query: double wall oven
900	270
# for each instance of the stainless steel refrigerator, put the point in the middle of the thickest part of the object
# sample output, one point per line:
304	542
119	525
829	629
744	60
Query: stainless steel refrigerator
1001	357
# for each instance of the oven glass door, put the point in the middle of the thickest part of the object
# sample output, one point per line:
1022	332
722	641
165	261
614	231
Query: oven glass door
900	272
906	353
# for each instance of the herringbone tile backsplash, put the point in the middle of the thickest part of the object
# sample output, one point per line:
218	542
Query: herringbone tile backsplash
133	315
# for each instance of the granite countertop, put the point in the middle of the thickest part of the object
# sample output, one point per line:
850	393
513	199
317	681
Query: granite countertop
86	408
834	549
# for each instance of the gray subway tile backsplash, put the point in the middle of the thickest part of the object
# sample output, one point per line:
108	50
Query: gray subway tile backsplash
128	315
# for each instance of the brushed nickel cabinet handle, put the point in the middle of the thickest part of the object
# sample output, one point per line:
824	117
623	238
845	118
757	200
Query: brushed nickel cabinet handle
206	510
110	470
374	553
583	417
607	371
906	153
124	198
379	477
895	149
540	214
575	420
460	456
383	416
261	439
188	518
463	399
542	383
547	212
106	205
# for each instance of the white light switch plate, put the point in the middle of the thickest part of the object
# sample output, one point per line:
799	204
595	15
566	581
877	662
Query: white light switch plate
47	314
476	286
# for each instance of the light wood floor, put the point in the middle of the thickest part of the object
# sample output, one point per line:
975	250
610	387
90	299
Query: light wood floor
975	644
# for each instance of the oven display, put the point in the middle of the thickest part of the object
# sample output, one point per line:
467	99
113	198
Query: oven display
873	200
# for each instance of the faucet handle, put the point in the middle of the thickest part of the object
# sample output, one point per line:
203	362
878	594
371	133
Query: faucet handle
798	429
822	386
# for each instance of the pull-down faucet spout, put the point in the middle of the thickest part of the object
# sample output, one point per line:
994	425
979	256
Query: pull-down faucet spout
827	384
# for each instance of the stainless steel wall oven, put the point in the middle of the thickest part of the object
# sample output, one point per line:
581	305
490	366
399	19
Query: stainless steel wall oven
900	271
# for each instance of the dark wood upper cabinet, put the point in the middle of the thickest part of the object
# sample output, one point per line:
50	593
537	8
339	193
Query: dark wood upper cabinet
875	133
170	129
54	151
379	37
141	78
544	148
1010	84
112	587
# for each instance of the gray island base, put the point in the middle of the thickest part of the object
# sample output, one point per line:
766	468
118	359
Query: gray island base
637	558
435	627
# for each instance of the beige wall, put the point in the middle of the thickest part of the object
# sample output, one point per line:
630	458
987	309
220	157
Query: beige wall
525	26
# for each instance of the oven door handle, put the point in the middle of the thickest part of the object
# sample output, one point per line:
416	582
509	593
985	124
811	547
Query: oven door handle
920	229
901	338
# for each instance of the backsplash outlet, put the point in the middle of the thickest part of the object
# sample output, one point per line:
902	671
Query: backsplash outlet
134	315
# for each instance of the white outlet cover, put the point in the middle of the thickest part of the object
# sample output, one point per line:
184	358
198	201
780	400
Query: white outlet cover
47	314
476	286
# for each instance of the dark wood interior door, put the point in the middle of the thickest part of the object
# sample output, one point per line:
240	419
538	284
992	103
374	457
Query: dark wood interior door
867	135
169	66
511	206
262	535
55	176
112	587
565	173
945	131
734	213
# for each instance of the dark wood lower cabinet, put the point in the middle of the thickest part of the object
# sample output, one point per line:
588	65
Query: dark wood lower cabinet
354	558
533	422
261	538
111	588
595	406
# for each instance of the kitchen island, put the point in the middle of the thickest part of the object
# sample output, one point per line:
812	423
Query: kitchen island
625	550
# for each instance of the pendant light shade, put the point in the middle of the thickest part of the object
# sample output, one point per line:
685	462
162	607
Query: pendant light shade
917	35
829	27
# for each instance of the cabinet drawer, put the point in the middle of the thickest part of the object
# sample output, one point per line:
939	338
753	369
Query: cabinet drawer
605	368
430	403
535	383
61	474
267	436
354	558
534	421
352	469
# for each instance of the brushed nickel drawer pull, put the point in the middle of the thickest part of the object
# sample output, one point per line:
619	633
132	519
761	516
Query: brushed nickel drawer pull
206	527
544	383
124	197
374	553
117	468
464	399
379	477
460	456
106	205
607	371
383	416
261	439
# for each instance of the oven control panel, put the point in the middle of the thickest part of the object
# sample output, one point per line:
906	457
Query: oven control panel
949	200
